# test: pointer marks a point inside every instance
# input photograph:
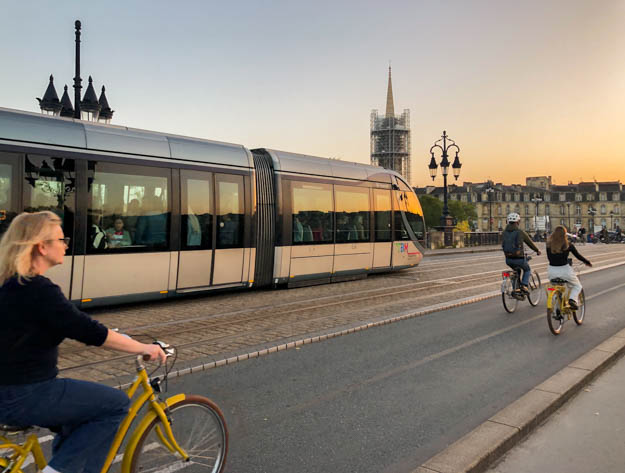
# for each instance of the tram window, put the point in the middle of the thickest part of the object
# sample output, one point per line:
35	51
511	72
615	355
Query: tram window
312	213
230	211
50	184
129	208
8	198
197	210
352	214
382	214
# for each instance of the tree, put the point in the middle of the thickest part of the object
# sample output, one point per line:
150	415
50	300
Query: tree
462	211
432	210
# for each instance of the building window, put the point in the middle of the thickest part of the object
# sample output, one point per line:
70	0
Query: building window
578	209
463	197
562	222
616	209
527	210
578	197
517	197
602	209
526	197
603	222
615	196
562	197
590	196
603	196
517	208
547	210
547	197
507	209
562	210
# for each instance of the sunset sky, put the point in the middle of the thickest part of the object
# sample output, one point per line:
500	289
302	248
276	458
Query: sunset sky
525	88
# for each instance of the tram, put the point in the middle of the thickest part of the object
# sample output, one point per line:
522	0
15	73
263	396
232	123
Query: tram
152	215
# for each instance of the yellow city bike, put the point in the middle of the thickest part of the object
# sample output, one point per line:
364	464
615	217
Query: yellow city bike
183	432
558	308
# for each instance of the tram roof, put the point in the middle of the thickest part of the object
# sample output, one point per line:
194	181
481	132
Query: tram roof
305	164
17	125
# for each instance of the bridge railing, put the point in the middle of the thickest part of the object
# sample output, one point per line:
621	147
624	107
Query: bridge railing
482	238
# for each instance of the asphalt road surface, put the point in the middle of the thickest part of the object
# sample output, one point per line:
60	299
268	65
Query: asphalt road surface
387	399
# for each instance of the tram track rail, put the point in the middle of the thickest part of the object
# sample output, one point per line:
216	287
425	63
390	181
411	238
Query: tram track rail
255	323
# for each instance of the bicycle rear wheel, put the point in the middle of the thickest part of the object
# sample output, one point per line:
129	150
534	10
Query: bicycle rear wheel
200	430
509	302
579	314
555	318
534	287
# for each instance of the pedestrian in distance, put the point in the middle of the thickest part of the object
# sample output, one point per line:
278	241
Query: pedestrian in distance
36	318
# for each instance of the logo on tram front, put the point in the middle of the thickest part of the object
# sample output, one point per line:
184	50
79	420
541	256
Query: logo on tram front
404	248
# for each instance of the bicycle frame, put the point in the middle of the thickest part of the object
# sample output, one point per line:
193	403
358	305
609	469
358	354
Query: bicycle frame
21	452
157	410
564	290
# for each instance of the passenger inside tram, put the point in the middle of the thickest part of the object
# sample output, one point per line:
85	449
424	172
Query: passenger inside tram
117	236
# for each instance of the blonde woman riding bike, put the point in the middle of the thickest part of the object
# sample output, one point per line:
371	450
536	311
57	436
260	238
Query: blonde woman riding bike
36	317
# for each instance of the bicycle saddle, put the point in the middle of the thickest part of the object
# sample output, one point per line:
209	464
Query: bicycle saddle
558	281
14	429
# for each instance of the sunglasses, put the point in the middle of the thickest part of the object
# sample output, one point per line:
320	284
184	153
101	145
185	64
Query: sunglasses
65	240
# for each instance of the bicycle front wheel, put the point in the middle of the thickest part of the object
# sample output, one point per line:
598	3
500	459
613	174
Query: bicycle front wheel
555	318
578	315
200	430
509	302
534	287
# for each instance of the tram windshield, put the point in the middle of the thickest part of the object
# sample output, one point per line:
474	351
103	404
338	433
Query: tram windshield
409	203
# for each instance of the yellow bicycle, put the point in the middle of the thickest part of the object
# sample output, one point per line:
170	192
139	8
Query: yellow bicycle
183	432
558	308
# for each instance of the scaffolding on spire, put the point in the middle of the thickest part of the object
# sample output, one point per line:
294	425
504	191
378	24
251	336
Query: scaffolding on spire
390	137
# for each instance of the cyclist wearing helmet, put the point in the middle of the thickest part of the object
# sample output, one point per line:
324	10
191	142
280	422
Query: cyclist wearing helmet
512	245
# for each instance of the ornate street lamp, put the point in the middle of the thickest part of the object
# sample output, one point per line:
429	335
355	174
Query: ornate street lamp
536	199
444	164
568	208
489	192
446	220
89	108
50	104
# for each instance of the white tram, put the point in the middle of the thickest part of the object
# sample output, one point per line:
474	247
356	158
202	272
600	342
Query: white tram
154	215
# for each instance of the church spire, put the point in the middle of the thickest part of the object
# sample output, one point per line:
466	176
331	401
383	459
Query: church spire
390	107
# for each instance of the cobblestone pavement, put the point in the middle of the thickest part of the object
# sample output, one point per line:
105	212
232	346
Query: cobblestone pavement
213	327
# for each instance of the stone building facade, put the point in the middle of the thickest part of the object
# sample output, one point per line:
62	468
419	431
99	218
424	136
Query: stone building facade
541	204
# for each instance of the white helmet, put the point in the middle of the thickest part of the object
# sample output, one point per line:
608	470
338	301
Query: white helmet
514	217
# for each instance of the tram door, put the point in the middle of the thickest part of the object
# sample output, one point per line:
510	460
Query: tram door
196	235
212	219
50	184
382	228
230	210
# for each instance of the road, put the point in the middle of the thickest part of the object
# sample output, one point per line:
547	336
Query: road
386	400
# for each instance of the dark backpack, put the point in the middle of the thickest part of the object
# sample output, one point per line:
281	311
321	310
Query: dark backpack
512	244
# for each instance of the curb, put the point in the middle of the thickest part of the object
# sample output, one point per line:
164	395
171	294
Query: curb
481	447
429	253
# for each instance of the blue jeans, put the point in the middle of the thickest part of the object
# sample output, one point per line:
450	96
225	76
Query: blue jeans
85	417
524	265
